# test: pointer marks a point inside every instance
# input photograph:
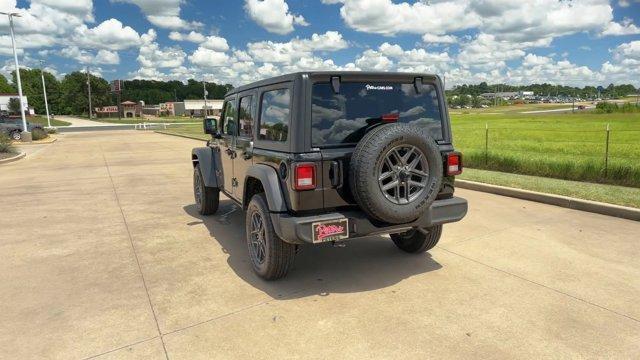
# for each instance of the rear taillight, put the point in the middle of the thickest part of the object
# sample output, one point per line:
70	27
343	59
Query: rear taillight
454	164
390	118
304	176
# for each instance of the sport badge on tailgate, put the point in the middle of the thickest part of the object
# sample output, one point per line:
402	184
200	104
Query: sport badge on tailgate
330	230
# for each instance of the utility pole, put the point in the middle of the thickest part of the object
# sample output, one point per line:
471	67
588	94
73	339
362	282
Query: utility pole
15	58
89	88
204	86
44	91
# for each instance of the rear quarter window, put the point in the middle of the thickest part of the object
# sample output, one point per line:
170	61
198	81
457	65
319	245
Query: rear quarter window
275	115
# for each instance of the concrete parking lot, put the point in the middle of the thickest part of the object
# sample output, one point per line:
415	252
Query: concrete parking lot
104	256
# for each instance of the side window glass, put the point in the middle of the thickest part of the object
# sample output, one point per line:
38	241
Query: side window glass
275	115
245	117
230	118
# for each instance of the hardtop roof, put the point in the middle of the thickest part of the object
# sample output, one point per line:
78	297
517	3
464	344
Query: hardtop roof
364	74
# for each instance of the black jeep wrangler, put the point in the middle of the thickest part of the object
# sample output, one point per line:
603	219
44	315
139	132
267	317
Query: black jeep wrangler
327	156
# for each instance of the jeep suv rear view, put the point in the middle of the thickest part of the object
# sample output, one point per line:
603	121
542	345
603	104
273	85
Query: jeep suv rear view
318	157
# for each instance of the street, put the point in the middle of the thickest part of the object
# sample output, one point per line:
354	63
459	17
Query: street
104	256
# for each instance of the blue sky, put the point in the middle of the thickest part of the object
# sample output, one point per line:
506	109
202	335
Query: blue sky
574	42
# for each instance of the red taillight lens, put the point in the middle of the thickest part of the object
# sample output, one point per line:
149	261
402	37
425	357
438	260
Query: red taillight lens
454	164
388	118
304	176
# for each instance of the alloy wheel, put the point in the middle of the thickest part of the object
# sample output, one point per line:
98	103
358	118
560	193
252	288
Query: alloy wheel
403	174
257	238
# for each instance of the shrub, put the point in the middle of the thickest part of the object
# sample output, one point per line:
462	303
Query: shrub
5	144
609	107
52	130
38	134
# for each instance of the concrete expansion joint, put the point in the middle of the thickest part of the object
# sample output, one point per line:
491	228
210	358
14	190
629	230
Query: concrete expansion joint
135	255
542	285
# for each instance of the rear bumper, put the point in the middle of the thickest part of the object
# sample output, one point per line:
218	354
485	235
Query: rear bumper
297	230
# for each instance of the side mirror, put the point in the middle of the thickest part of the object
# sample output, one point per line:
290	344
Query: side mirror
210	126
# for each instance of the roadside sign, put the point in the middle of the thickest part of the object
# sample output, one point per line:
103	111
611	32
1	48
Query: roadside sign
116	85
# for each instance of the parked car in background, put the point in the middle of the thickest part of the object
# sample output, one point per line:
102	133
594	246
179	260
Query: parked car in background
13	127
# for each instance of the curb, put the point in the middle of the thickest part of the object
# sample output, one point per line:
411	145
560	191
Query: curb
557	200
37	142
12	159
179	135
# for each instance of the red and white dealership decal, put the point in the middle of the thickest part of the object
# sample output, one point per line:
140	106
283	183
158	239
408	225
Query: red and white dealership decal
330	231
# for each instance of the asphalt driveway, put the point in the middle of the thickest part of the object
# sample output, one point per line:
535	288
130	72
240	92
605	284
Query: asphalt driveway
104	256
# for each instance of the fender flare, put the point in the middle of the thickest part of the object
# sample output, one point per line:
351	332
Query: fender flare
210	165
271	185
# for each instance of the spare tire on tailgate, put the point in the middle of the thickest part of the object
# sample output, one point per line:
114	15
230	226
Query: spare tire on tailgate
396	172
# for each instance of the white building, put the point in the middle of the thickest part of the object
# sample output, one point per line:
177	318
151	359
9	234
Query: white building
195	107
4	103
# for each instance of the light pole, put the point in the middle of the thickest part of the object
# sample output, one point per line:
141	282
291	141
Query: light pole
15	58
89	88
44	90
204	86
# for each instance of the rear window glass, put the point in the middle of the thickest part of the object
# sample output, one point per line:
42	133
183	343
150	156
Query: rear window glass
345	117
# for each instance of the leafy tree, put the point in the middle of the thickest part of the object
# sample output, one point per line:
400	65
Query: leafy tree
5	87
14	106
155	92
32	88
544	89
476	101
73	94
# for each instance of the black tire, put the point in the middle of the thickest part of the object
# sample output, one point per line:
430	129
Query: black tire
415	241
271	258
16	135
370	157
207	198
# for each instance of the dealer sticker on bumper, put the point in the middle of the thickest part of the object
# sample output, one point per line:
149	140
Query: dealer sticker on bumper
330	230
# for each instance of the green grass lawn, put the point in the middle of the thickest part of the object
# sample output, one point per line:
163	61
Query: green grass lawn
555	145
561	145
619	195
154	120
42	120
189	130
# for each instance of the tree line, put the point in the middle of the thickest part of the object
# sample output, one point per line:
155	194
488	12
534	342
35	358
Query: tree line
69	96
611	91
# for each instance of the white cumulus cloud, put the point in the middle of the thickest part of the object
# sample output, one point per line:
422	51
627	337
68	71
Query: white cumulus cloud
163	13
273	15
110	34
